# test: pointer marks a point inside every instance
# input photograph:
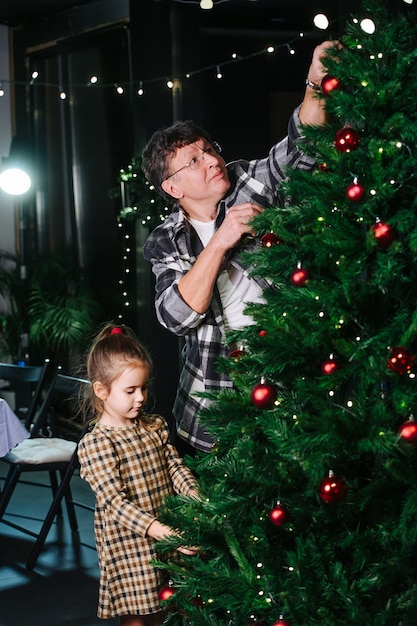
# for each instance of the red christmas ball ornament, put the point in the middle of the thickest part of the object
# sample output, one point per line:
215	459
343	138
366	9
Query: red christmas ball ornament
299	277
236	355
323	167
269	240
329	84
281	622
263	333
347	139
166	592
278	515
329	366
355	192
408	431
264	395
400	361
332	489
383	233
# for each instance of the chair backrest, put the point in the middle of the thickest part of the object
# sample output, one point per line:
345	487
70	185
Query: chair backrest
29	383
59	415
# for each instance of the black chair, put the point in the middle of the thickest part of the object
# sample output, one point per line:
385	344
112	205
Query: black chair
28	382
55	455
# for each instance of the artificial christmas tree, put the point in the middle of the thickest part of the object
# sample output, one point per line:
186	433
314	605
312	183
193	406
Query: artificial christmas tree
309	498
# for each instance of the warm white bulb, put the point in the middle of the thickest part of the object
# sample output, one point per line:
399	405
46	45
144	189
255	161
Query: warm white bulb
368	26
320	21
206	4
409	1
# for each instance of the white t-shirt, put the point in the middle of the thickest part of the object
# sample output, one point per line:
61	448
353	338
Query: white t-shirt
234	287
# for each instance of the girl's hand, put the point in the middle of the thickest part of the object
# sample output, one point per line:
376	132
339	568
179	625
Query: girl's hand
160	531
195	495
188	550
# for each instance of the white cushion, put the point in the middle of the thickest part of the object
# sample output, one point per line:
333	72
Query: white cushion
38	450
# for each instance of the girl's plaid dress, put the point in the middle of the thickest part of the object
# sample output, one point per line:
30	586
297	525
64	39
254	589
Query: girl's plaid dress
130	470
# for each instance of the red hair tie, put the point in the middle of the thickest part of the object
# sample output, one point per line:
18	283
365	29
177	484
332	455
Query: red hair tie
116	331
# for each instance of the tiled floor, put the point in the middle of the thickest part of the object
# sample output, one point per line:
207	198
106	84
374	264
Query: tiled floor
62	588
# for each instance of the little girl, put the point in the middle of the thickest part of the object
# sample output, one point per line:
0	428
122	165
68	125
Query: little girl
131	466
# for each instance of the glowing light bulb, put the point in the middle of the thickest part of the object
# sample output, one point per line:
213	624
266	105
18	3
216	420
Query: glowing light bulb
321	21
368	26
15	181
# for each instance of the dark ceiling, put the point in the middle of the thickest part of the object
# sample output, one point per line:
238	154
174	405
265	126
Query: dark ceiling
277	14
15	12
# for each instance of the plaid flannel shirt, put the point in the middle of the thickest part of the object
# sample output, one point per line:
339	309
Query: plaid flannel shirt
172	249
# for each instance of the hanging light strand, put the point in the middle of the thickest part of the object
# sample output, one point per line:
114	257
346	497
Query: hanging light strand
120	87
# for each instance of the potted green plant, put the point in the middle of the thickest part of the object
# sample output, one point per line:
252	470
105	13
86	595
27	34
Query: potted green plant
54	305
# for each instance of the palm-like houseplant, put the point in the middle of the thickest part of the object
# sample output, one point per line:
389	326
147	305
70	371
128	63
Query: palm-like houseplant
54	305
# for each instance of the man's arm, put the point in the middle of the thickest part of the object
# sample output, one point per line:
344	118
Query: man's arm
196	286
312	110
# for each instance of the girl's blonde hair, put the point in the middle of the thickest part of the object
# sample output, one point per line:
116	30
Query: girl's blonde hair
111	351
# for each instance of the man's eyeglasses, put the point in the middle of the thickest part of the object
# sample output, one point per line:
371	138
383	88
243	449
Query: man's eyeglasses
195	162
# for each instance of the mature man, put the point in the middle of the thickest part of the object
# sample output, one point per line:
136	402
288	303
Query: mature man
201	285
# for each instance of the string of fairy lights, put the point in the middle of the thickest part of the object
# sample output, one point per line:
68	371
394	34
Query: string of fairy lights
139	86
320	21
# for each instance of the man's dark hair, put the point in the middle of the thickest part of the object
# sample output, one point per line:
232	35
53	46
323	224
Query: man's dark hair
163	144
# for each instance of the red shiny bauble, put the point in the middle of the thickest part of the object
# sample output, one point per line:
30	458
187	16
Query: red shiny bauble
383	233
236	355
355	192
330	83
264	395
400	361
269	240
166	592
281	622
263	333
332	489
278	515
329	367
347	139
408	431
300	277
